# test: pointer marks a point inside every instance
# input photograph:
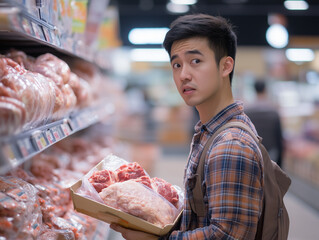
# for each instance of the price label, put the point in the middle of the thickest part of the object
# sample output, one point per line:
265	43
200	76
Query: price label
25	147
40	141
37	31
8	151
57	133
27	26
47	35
50	136
66	129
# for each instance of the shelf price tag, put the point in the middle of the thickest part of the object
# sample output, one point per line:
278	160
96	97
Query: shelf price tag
25	147
57	133
8	151
49	136
66	129
40	140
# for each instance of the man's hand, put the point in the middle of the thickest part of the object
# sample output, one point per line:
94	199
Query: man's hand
129	234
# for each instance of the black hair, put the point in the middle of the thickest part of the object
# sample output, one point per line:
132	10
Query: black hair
260	86
219	31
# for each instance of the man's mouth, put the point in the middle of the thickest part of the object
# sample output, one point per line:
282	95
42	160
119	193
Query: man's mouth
188	90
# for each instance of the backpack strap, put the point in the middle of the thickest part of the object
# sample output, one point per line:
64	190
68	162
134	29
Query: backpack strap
197	203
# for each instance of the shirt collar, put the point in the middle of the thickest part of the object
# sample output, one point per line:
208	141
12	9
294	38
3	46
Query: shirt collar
222	117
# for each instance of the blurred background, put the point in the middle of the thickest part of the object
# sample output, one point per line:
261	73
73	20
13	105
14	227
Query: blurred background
118	44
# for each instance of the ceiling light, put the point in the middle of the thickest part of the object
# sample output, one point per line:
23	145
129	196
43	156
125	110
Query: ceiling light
296	5
147	35
177	8
300	54
184	2
149	55
277	36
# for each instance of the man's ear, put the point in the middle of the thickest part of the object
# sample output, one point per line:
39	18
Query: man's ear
227	65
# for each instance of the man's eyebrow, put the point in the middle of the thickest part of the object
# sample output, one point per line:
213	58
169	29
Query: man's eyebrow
187	53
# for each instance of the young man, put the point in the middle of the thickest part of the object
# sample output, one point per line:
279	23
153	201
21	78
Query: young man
202	51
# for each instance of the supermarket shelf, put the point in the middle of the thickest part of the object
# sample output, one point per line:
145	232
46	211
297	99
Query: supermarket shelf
28	32
16	149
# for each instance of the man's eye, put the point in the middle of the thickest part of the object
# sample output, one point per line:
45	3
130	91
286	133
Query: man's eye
196	61
176	65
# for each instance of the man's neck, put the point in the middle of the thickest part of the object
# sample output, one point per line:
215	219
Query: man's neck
207	112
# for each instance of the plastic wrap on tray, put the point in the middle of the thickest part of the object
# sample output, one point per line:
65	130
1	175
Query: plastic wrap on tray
127	187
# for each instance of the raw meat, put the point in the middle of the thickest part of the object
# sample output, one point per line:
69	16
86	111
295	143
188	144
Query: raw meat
12	115
140	201
166	190
144	180
102	179
129	171
52	67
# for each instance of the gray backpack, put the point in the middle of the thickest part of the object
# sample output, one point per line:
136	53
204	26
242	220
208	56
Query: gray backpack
274	221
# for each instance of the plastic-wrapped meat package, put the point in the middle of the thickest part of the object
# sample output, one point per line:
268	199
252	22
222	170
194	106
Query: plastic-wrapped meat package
7	92
52	67
53	201
43	109
8	66
138	200
27	92
60	102
81	89
166	190
126	186
102	179
20	216
21	58
84	224
56	234
12	115
70	98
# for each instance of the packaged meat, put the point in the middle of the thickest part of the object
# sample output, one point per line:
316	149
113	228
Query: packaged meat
21	58
136	199
124	187
20	217
52	67
12	115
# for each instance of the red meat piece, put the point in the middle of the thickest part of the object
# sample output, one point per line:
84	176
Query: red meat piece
166	190
129	171
144	180
102	179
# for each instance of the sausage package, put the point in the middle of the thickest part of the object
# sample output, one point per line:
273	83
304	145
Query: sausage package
117	191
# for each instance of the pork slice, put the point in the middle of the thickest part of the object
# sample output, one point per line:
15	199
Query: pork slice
136	199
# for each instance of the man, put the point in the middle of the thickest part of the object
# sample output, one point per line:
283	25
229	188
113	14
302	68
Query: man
267	122
202	52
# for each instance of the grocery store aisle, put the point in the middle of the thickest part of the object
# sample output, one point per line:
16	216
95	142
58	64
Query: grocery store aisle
304	220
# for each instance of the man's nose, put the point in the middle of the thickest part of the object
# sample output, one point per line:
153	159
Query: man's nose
185	74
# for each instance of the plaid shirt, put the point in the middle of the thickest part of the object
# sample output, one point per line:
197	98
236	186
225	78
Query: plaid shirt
233	181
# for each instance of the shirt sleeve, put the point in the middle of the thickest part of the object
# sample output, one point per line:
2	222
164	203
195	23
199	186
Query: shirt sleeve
234	180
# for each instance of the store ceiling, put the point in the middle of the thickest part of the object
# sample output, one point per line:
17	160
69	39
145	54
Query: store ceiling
249	16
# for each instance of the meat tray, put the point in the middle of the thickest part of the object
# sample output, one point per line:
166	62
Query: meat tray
108	214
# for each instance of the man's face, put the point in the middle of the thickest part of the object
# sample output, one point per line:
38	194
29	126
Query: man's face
195	71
